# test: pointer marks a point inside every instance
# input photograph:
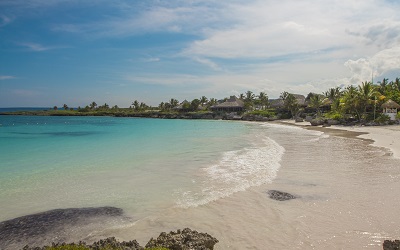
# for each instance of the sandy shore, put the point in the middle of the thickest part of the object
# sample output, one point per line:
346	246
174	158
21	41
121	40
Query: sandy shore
380	136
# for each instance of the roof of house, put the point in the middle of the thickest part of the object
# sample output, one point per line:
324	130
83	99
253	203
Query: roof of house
278	103
180	106
232	102
390	104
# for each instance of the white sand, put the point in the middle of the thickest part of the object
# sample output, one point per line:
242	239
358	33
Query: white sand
383	136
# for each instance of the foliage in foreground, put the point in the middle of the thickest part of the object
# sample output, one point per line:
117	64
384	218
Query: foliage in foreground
84	247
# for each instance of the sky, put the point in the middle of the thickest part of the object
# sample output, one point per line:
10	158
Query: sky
115	52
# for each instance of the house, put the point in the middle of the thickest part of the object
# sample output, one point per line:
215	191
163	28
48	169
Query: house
390	109
279	103
233	104
183	107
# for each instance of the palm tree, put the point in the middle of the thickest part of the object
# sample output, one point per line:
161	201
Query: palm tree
136	105
194	105
263	98
65	106
290	103
350	101
203	100
284	95
382	85
143	106
161	106
241	96
249	100
93	105
333	93
316	102
249	96
367	95
173	102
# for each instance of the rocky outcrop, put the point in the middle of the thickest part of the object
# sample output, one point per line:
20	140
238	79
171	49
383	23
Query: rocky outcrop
298	119
54	225
33	226
317	122
280	196
109	243
186	239
391	245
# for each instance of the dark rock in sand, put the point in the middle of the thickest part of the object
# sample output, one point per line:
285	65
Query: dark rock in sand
186	239
28	228
391	245
280	196
317	122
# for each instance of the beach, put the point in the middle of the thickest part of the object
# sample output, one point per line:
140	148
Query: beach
346	189
347	199
380	136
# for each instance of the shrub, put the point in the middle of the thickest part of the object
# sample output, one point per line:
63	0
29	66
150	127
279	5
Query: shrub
264	113
382	118
334	116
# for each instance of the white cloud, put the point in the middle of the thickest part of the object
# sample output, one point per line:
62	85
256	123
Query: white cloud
4	20
38	47
363	69
2	77
152	59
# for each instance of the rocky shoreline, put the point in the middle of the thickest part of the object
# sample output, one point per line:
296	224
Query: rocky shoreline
53	226
185	239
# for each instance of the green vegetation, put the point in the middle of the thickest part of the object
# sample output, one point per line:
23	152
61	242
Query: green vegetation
84	247
263	113
353	103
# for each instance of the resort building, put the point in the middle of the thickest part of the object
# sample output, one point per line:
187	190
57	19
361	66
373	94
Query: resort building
390	109
183	107
279	103
233	104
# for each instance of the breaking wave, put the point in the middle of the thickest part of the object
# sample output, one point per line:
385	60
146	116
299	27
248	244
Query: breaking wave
236	171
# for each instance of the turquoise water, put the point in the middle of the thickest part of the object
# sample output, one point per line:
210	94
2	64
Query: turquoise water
140	165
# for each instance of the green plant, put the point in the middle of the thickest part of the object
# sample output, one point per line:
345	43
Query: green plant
382	118
264	113
334	115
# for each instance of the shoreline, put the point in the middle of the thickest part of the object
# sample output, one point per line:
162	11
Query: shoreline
378	136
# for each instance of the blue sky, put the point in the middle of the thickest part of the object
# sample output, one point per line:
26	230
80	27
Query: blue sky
76	52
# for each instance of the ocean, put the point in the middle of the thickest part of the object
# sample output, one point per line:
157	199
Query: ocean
211	176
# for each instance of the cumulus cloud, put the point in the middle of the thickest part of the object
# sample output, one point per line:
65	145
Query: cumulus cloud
363	69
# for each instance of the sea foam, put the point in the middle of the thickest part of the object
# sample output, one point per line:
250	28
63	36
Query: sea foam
236	171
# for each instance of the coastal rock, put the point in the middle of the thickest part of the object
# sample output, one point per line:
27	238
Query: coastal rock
186	239
332	122
50	224
280	196
299	119
391	245
109	243
317	122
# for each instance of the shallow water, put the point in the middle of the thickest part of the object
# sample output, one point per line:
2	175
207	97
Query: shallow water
212	176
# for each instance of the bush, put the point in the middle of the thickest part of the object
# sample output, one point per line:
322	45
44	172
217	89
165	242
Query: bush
398	116
334	116
382	118
264	113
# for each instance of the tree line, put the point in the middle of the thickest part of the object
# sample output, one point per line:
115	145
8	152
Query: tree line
362	102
